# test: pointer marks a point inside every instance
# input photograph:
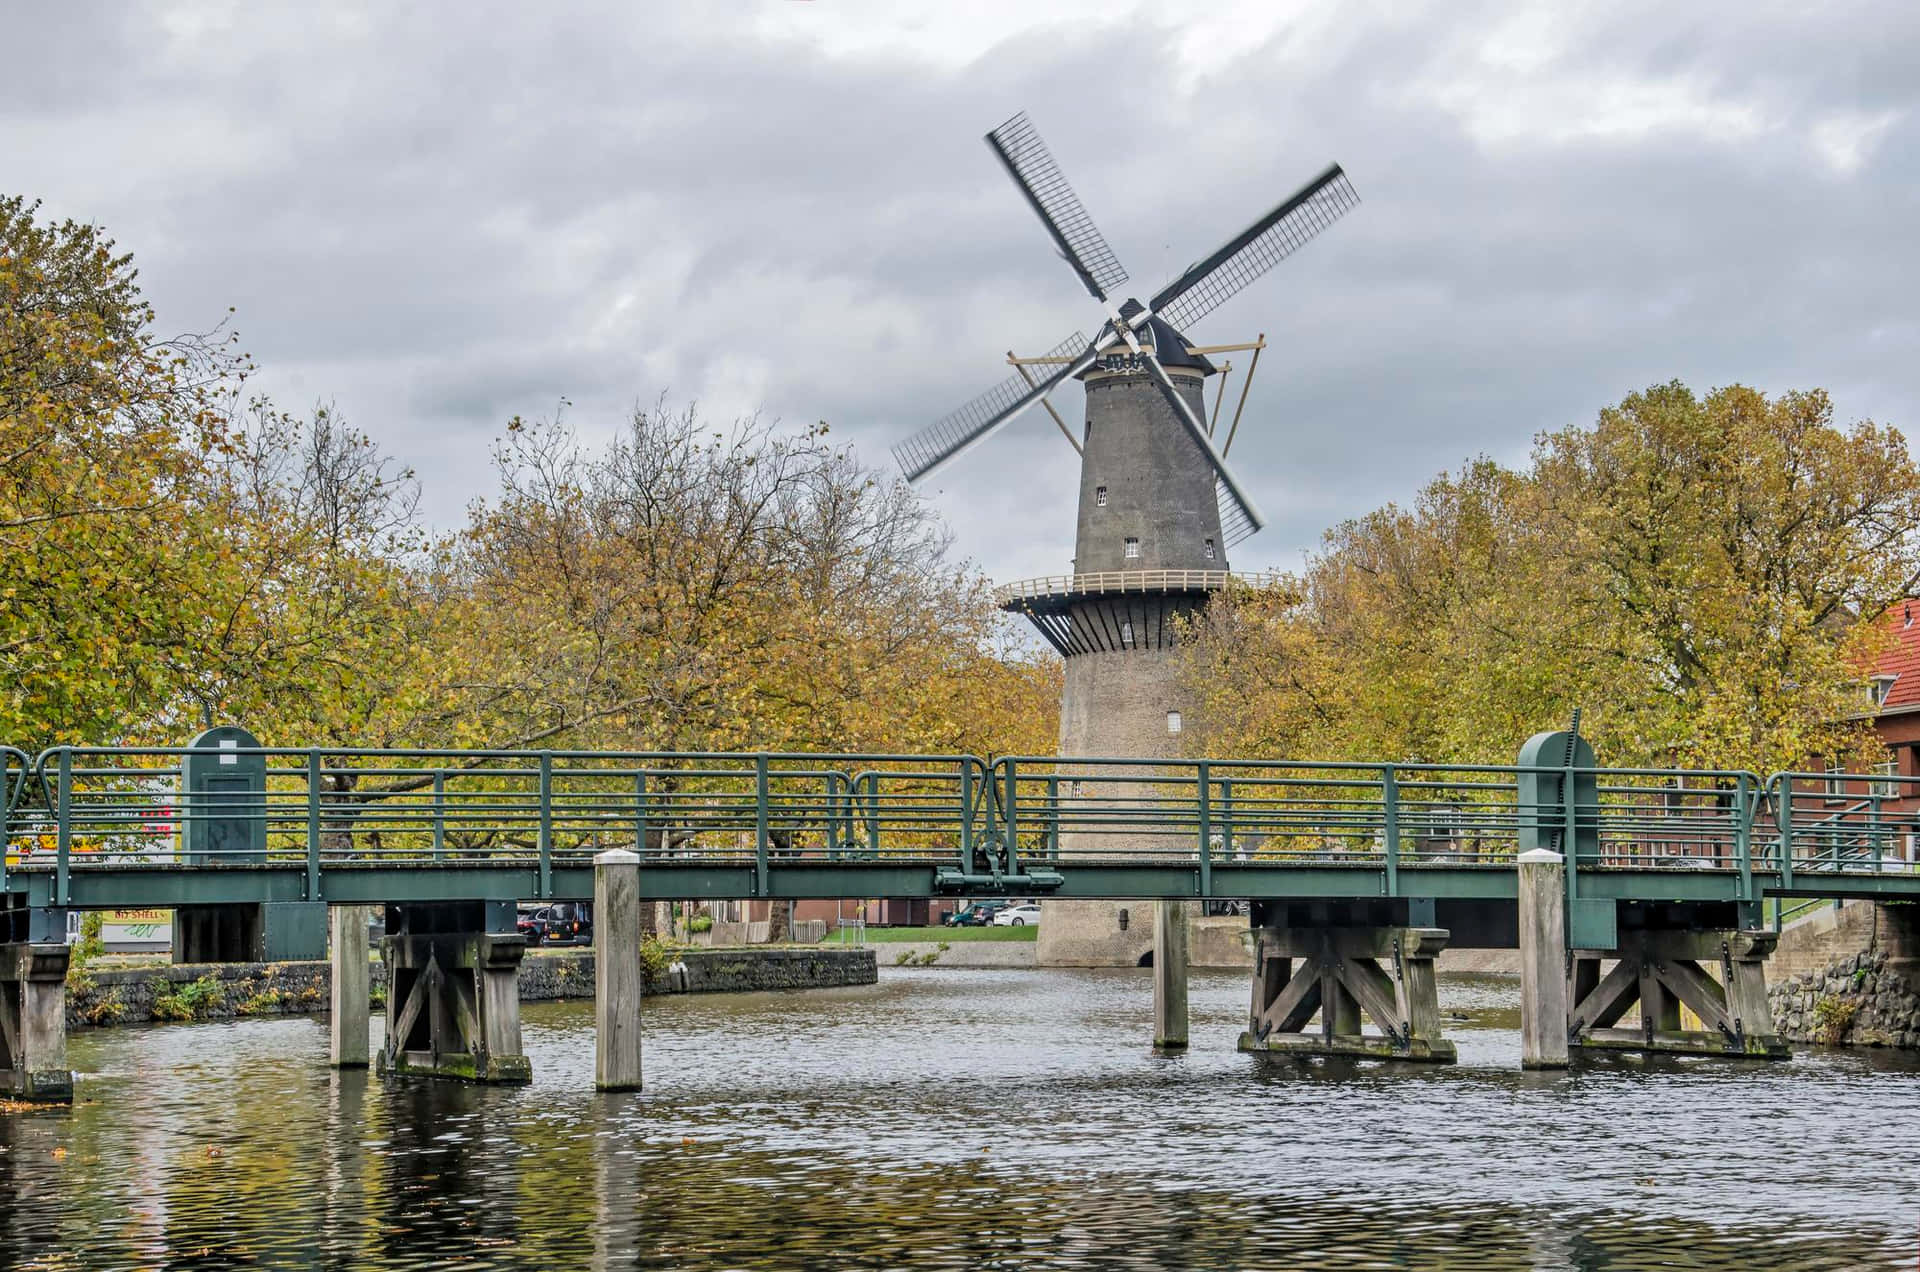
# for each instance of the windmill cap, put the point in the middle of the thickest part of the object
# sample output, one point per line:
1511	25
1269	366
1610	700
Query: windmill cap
1168	345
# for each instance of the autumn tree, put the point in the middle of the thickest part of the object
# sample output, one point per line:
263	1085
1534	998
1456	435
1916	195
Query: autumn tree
1699	574
303	602
102	425
692	588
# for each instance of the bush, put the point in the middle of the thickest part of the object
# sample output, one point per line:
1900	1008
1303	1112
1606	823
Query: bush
189	1001
700	923
654	958
1833	1017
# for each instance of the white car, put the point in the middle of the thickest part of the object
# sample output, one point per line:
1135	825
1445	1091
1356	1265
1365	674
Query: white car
1026	914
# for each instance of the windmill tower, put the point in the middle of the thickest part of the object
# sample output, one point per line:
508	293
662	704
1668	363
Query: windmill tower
1159	506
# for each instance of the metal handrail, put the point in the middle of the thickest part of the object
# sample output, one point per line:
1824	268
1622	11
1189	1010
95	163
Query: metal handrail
318	808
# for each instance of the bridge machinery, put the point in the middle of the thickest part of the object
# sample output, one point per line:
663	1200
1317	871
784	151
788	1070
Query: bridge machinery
1159	506
1624	890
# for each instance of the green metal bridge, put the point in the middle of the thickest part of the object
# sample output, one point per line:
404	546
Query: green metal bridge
98	828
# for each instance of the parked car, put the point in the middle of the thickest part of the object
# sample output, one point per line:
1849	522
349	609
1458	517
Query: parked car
569	923
562	923
1026	914
975	914
532	924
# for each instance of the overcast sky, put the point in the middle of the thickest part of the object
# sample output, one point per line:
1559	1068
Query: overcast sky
438	220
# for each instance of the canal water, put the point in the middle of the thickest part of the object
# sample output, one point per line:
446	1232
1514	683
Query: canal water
960	1119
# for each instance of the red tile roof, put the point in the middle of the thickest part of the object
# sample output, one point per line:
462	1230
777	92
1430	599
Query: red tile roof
1902	658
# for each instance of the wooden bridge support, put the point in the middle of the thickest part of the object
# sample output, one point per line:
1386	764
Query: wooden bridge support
618	973
33	1021
1340	978
350	1026
1542	897
1171	956
1661	971
453	993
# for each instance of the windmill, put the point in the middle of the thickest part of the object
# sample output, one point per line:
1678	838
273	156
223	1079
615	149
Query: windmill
1158	502
1120	346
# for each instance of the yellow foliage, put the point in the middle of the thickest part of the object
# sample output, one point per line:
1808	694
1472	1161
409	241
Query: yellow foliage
1698	574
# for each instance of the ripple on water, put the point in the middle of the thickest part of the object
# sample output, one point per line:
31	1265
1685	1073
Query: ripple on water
963	1119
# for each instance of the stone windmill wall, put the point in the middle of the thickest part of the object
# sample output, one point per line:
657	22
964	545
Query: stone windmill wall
1147	506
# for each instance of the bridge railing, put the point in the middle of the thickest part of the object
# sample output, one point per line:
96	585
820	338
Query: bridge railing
130	807
16	772
76	807
1843	822
1698	819
1229	812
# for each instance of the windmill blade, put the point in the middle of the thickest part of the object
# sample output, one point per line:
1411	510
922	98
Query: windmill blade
1208	283
1031	165
1234	526
1224	479
954	432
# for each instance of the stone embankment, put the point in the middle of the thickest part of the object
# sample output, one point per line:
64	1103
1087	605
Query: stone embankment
221	991
1849	976
1857	1000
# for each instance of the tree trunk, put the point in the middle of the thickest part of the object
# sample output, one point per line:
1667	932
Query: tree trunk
779	921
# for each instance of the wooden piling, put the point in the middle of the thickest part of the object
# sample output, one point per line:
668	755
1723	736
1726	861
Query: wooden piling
618	972
1170	959
1543	959
349	1044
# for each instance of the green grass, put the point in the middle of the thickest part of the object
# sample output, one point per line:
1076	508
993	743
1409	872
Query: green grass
877	935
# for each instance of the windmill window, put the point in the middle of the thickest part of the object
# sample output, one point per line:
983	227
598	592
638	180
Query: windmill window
1209	549
1126	633
1133	548
1100	496
1173	722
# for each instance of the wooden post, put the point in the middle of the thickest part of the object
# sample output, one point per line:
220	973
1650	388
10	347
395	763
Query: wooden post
1170	975
1543	957
348	1045
618	975
33	1023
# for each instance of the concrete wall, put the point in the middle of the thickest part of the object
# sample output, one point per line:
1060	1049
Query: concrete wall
957	954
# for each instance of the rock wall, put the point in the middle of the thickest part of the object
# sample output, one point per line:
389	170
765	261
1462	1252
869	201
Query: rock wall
196	991
708	972
222	991
1850	978
1856	1001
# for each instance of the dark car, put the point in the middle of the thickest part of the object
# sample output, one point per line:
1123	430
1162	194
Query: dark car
562	923
568	923
975	914
532	924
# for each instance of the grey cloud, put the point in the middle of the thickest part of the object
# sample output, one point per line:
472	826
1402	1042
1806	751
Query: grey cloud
441	219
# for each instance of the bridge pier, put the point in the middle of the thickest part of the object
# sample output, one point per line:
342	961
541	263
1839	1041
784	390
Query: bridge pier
33	1021
1657	965
350	1026
1542	895
1340	979
1171	955
618	974
453	993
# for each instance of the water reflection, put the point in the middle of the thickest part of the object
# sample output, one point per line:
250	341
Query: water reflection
960	1119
